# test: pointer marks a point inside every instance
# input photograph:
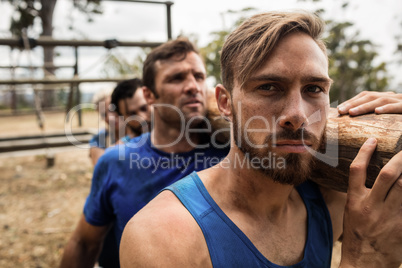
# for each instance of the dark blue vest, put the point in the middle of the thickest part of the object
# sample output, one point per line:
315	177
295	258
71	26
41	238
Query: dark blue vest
229	247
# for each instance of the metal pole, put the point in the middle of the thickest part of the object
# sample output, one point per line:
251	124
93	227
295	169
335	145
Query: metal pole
169	19
50	42
77	87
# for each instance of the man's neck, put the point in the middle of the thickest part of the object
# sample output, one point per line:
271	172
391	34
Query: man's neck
241	187
172	139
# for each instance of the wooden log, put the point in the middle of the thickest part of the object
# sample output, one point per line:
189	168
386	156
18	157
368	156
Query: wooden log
345	136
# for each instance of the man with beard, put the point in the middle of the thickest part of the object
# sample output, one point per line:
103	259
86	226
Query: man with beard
131	112
128	176
245	214
130	103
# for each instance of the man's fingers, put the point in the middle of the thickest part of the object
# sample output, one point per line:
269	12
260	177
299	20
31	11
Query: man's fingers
366	102
367	107
358	168
360	98
386	180
394	197
393	108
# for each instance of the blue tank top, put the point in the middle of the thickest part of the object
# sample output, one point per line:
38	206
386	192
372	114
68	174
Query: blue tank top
229	247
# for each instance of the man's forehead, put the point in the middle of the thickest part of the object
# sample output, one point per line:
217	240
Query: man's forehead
295	56
138	98
192	61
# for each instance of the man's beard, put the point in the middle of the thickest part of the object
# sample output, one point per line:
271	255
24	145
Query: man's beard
296	167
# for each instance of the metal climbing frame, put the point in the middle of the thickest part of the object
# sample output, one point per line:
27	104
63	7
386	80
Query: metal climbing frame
74	82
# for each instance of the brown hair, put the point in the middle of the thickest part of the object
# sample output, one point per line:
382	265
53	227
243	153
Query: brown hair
174	49
247	47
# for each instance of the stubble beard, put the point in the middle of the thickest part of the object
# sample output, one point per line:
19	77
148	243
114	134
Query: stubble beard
297	167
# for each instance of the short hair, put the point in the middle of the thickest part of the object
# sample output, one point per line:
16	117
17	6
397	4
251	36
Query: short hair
248	46
124	90
175	49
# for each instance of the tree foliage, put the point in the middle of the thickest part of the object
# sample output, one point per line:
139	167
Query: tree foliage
352	63
211	52
26	12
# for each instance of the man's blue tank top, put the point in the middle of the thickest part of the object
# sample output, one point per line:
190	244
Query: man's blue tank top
229	247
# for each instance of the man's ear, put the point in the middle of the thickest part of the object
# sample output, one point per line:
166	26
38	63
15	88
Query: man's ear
148	95
223	99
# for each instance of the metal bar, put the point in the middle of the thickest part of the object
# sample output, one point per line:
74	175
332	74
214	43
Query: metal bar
145	2
169	19
77	87
50	42
36	67
36	143
47	81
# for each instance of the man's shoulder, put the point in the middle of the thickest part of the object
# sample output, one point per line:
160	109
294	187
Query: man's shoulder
164	232
121	152
165	211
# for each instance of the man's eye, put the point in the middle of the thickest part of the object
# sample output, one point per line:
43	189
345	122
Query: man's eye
176	78
267	87
314	89
199	77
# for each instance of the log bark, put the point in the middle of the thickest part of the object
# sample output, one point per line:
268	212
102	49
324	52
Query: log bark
345	136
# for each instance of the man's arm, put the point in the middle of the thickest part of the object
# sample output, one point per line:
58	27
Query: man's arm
163	234
95	153
372	234
372	101
335	202
84	245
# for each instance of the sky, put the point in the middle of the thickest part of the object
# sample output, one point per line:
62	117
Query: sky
375	19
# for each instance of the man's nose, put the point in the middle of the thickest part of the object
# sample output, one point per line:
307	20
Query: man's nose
294	112
191	85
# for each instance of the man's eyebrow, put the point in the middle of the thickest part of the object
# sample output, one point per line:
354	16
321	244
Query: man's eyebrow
319	79
176	74
278	78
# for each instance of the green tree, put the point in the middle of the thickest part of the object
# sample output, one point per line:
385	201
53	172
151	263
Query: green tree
211	52
351	63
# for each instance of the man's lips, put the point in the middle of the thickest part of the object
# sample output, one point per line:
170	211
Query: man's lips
292	146
293	142
192	102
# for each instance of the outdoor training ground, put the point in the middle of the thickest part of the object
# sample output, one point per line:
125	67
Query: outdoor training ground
40	206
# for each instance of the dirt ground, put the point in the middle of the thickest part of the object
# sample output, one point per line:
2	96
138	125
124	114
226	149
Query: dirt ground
39	206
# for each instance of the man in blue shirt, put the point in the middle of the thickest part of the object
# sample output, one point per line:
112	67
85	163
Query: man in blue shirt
128	112
256	208
128	176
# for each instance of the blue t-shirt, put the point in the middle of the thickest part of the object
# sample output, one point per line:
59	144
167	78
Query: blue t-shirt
128	176
229	247
100	140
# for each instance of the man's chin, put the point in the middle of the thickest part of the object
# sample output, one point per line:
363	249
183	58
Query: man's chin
288	169
196	118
